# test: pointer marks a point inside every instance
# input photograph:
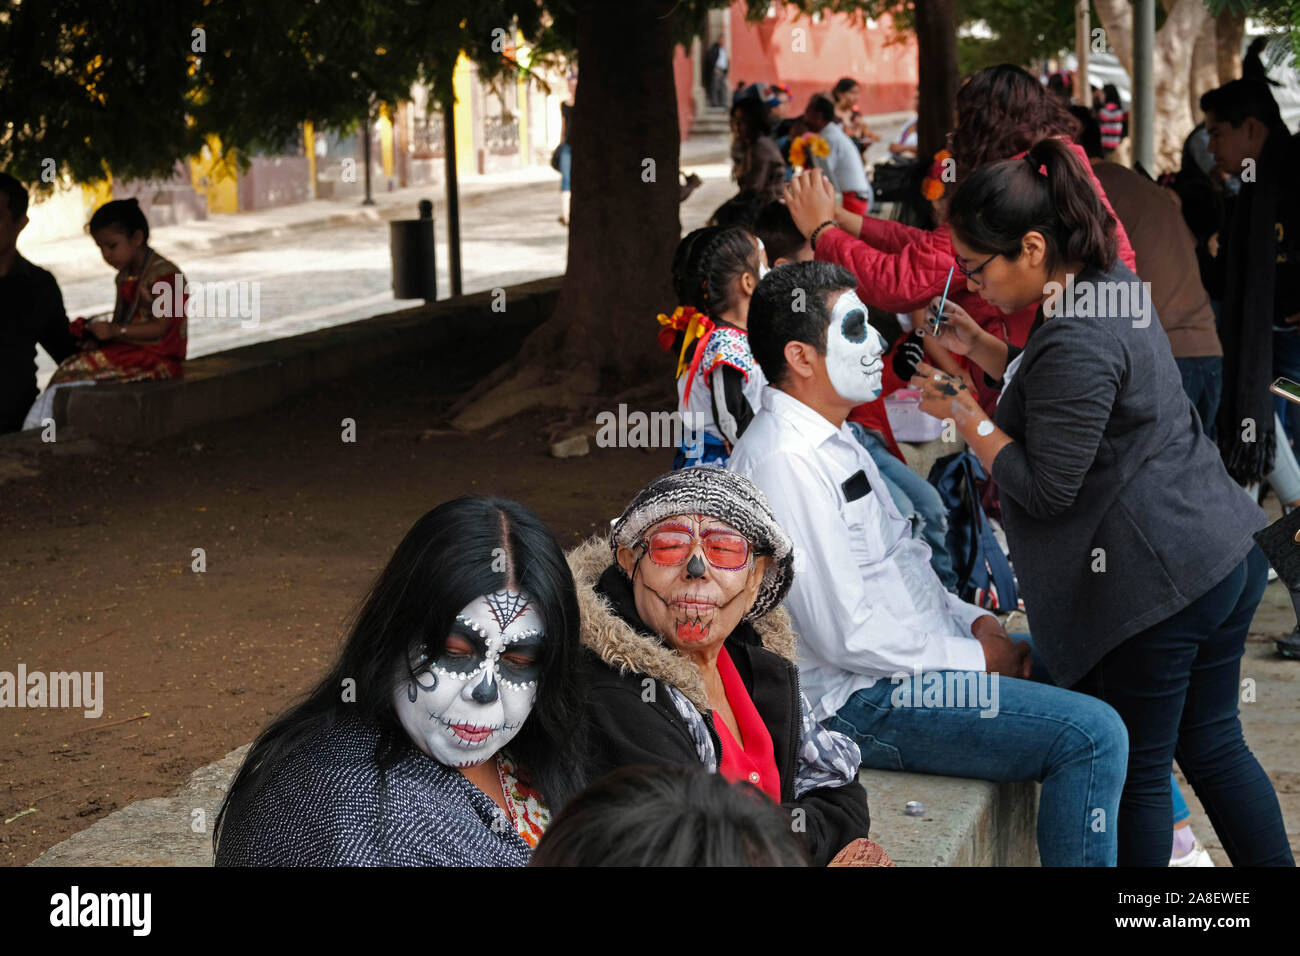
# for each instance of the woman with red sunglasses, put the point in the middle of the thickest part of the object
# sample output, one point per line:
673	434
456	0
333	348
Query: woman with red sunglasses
692	660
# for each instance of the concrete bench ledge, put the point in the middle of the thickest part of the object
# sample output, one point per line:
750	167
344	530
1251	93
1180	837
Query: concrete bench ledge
967	823
256	377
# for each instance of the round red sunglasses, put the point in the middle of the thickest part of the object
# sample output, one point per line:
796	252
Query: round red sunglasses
672	547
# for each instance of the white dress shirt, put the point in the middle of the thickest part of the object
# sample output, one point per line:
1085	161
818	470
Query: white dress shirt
844	164
865	601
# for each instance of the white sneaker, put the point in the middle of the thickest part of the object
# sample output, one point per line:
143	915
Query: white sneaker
1272	575
1198	856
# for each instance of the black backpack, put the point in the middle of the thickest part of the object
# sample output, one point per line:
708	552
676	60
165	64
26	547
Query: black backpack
984	575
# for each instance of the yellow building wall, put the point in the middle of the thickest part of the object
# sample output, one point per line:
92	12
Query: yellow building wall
215	179
385	125
463	114
94	195
524	57
309	148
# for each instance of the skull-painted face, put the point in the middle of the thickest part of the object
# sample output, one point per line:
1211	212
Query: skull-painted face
854	351
693	579
469	703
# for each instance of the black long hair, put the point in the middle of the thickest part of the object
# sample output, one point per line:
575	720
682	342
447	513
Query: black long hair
707	261
121	214
755	120
459	551
1046	191
669	816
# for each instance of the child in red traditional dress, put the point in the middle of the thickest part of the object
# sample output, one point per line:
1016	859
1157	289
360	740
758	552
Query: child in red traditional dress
715	272
145	339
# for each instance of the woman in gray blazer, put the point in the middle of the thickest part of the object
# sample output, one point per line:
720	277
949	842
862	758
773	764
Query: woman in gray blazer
1131	544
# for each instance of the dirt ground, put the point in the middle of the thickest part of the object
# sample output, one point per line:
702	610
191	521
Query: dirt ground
96	554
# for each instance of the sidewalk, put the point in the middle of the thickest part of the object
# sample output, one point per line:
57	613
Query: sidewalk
72	257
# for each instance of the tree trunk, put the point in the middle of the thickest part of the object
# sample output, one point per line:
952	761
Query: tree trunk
623	225
1229	35
1174	45
1204	75
936	74
624	221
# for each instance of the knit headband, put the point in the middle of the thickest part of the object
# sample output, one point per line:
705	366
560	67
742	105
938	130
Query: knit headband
725	496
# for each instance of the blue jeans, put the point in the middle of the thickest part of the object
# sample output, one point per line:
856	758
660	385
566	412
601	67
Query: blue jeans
915	498
1075	745
1203	383
1040	674
1176	686
566	168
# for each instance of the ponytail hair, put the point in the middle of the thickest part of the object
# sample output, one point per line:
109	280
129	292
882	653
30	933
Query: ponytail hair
123	214
706	262
1046	191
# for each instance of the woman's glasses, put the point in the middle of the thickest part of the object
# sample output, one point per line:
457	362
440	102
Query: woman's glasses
671	547
973	273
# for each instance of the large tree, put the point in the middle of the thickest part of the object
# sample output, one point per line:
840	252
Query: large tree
131	86
1175	43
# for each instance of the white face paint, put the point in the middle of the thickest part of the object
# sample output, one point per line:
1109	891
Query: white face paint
854	351
469	703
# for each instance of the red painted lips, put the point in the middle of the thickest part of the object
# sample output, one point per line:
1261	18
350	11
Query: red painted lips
471	733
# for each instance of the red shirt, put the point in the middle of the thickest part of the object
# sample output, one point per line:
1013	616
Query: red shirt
752	758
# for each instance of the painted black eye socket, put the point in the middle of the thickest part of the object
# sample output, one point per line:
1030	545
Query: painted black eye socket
520	667
854	326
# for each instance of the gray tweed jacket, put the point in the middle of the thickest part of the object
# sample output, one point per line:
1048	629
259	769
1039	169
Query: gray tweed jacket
1117	507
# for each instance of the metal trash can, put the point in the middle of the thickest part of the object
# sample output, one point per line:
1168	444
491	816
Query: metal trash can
415	274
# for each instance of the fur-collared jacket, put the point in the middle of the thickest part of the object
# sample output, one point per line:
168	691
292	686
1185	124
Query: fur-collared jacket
647	705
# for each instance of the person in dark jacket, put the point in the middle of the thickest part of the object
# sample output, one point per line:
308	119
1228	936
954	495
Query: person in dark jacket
31	312
691	659
1132	545
1258	267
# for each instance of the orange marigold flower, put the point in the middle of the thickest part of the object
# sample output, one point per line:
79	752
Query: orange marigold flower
797	156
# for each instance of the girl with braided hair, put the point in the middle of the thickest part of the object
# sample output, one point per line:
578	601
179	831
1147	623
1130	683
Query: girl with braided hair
715	272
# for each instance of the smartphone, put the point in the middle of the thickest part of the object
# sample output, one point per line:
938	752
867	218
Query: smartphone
1287	389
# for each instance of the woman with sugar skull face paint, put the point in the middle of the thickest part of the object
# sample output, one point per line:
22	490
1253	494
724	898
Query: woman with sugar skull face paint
447	731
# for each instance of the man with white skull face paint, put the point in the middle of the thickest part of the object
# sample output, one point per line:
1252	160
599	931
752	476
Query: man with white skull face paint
448	729
854	351
872	615
462	708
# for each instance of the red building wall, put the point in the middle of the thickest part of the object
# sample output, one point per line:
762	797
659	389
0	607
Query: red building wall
683	73
809	57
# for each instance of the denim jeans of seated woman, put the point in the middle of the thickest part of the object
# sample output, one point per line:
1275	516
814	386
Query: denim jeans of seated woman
915	498
1075	745
1176	685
